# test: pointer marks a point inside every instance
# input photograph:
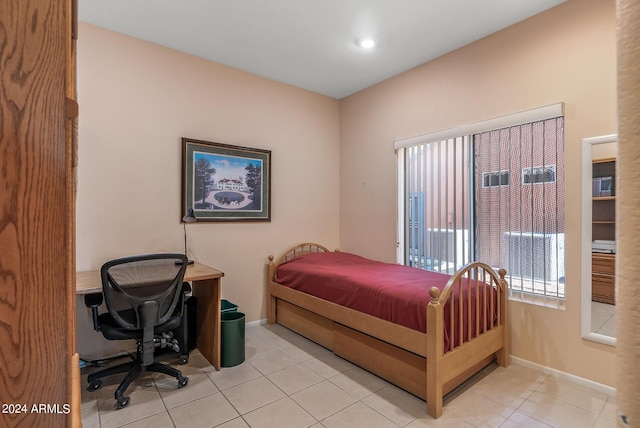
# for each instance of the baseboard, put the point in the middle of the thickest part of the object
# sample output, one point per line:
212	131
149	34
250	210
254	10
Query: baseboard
258	322
609	390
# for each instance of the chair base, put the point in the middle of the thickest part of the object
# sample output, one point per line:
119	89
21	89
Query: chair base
133	370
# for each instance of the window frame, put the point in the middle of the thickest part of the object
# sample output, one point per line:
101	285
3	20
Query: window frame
500	174
529	116
544	172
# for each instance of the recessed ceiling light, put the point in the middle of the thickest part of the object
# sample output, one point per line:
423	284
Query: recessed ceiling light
367	42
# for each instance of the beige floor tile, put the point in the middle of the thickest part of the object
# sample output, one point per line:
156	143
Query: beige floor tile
233	376
429	422
295	378
309	347
477	409
604	422
234	423
160	420
519	420
608	328
305	353
572	393
397	405
88	399
199	386
603	318
359	383
269	362
257	344
358	415
284	413
277	335
515	374
197	362
252	395
508	394
323	399
291	342
610	410
144	403
556	413
205	412
90	415
328	365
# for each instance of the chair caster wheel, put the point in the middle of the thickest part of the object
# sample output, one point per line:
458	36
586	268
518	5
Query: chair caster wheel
183	381
123	401
184	359
94	385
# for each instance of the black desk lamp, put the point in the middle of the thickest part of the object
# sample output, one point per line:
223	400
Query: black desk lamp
189	217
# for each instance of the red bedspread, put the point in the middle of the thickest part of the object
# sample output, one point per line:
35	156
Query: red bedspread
392	292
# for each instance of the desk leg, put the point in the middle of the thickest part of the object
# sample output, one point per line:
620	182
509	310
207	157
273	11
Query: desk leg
208	328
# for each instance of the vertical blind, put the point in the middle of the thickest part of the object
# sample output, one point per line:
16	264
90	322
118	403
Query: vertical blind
438	205
520	226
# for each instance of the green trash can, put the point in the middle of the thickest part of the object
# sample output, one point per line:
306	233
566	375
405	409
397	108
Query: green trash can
232	344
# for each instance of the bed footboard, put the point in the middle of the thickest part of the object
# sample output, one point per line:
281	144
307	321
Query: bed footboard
476	323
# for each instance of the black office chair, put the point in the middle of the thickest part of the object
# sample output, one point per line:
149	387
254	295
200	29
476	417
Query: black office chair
145	299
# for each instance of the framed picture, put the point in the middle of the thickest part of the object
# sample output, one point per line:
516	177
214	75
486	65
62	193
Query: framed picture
221	182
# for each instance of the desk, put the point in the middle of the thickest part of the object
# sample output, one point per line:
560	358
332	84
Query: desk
205	282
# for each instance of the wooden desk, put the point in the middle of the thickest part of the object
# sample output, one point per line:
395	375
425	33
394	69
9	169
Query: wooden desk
205	282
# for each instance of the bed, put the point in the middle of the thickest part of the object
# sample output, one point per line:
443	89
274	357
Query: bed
465	317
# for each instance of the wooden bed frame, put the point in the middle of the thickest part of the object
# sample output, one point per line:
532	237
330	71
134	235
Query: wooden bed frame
414	361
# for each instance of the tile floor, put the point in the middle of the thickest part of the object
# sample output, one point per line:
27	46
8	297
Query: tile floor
288	381
603	319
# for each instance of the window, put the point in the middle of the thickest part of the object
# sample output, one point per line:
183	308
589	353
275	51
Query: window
541	174
498	178
458	203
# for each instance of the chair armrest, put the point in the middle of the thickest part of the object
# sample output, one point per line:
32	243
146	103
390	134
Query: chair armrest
94	301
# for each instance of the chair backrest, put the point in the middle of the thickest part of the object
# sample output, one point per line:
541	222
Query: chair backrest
143	291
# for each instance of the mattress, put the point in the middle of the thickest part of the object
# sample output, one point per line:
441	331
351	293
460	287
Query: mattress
392	292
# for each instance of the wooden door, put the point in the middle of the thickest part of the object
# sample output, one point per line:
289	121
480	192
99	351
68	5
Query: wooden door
39	372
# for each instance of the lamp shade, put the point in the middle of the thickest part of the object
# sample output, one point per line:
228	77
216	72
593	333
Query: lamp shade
189	217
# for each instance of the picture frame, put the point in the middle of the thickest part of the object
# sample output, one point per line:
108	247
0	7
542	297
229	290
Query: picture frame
222	182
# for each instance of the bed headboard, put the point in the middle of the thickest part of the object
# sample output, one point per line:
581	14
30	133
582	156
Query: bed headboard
298	250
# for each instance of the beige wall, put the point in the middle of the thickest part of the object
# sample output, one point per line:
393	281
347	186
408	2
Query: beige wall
566	54
137	101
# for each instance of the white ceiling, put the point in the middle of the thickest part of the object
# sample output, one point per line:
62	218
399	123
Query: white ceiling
311	44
